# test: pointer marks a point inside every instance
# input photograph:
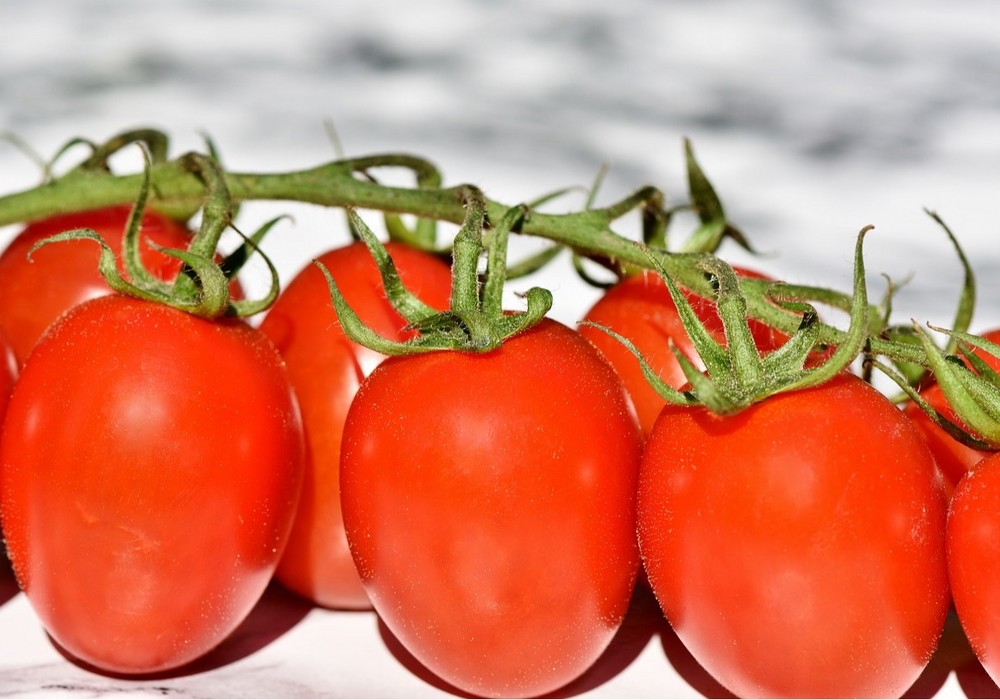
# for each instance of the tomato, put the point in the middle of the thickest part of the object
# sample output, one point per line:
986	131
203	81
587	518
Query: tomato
150	465
953	458
797	547
34	293
974	559
8	373
641	309
489	506
325	368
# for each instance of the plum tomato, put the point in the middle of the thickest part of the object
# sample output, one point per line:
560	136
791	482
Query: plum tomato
34	293
150	465
640	308
797	547
489	505
974	559
8	374
325	369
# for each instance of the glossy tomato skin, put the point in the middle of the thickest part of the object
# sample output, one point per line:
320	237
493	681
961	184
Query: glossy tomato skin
974	559
489	505
640	308
326	368
797	547
8	373
35	293
150	464
953	458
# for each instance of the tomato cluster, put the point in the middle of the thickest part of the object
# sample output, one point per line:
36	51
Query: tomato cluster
496	509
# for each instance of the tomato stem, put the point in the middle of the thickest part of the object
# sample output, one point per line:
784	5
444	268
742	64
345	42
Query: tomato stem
176	189
736	375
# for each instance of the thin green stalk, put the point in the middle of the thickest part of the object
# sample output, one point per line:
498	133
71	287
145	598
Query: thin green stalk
176	190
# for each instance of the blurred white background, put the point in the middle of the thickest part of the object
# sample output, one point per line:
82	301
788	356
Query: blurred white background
812	119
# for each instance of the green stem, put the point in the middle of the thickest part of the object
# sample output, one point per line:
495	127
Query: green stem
176	190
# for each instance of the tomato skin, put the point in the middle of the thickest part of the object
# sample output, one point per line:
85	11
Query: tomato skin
953	458
8	374
489	505
797	548
326	368
150	464
640	308
35	293
974	559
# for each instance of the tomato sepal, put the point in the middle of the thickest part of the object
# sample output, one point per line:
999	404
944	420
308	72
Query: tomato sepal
736	374
202	289
476	321
973	392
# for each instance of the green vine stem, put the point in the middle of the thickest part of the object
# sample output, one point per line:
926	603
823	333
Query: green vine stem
177	191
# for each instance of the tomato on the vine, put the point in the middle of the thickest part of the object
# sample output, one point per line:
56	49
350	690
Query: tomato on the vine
150	465
35	292
974	559
326	368
8	373
640	308
797	547
953	458
489	503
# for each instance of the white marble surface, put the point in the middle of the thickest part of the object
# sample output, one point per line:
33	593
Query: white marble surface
813	119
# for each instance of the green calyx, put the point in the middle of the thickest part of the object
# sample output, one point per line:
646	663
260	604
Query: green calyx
476	321
202	288
969	384
737	374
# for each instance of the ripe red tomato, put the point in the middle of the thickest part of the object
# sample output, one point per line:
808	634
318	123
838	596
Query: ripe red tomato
641	309
797	547
150	465
325	369
489	505
953	458
974	559
34	293
8	373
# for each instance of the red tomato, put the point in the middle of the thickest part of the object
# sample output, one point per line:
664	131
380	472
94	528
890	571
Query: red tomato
953	458
34	293
8	373
974	559
489	505
797	547
150	464
641	309
325	368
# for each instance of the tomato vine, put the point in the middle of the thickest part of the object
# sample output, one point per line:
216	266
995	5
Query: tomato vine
178	188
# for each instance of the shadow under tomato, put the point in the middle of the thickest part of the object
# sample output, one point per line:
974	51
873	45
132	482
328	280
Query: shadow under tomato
975	682
277	612
8	582
641	623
